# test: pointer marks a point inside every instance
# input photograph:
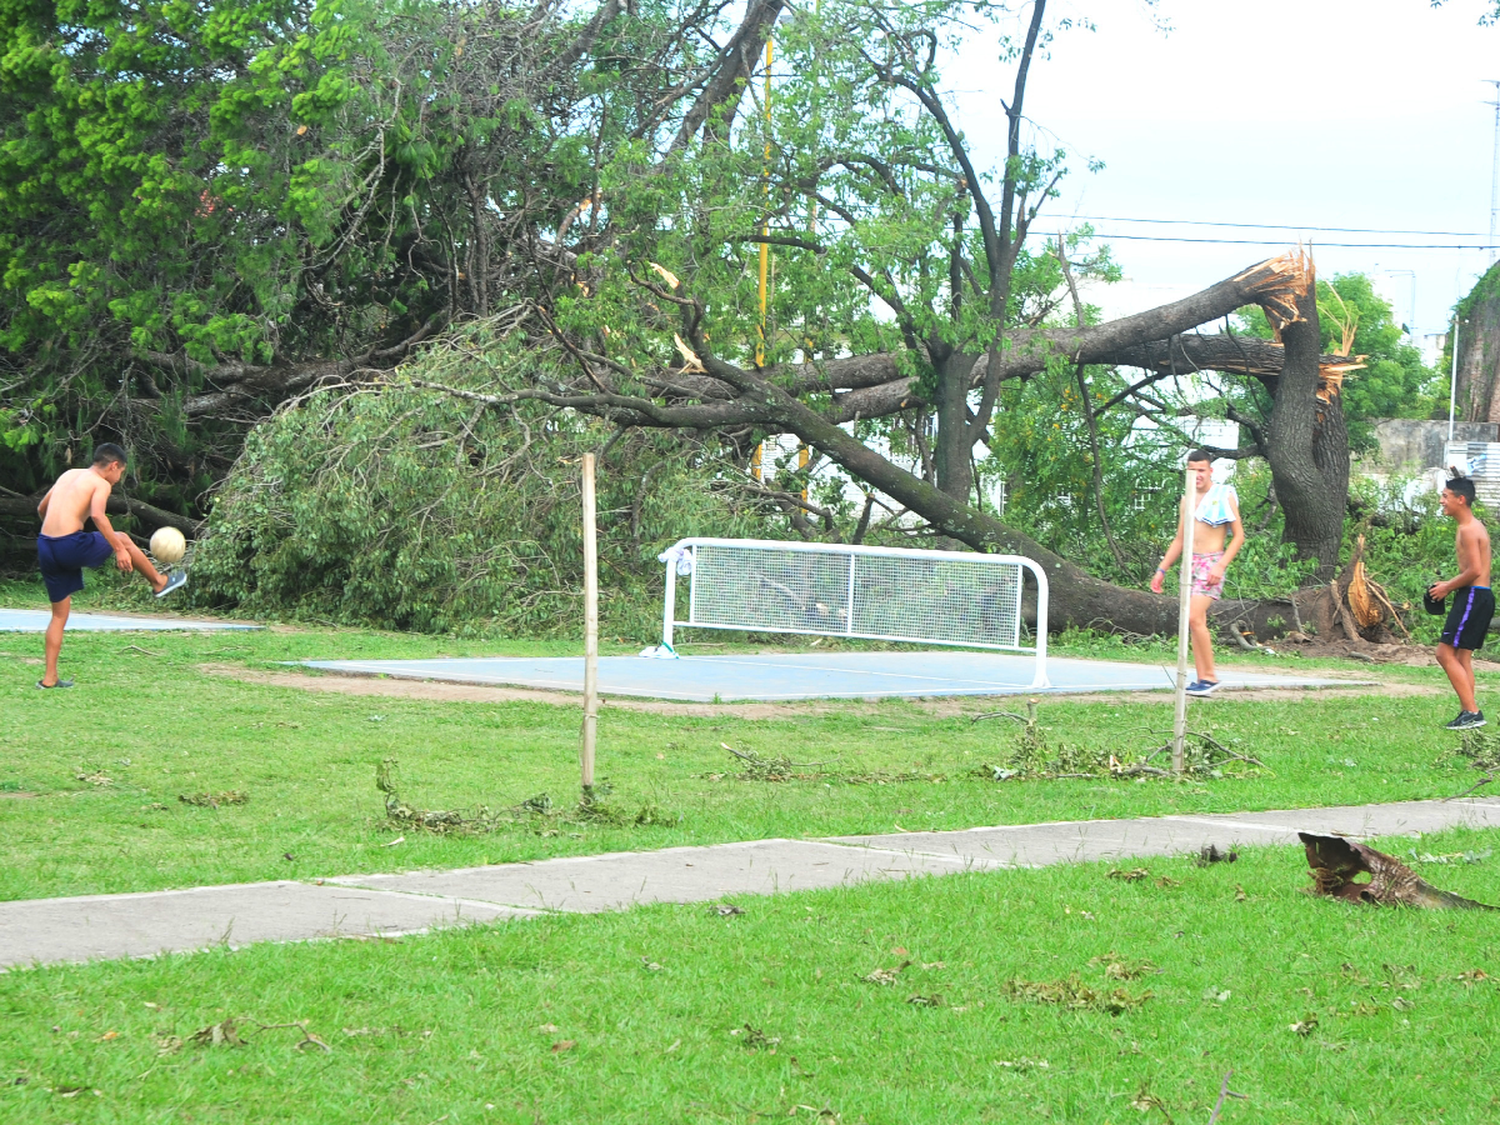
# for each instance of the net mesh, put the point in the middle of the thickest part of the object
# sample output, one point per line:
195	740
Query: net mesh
961	600
765	588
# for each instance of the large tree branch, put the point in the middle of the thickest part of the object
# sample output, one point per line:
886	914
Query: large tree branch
236	383
153	517
727	81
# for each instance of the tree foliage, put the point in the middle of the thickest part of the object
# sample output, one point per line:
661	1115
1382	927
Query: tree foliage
386	504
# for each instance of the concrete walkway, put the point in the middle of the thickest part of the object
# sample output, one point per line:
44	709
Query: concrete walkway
85	928
36	620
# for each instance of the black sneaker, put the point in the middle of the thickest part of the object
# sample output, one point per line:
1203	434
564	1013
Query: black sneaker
54	687
1467	720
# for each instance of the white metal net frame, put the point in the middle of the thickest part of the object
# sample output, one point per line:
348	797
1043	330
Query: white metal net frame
868	593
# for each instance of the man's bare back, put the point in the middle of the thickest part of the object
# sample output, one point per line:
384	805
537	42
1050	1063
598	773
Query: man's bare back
70	500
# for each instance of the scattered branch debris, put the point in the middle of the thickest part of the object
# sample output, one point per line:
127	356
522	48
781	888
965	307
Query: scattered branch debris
1480	748
885	976
753	1038
1336	860
231	1033
1073	993
537	811
214	800
773	769
1210	853
1033	757
223	1034
1226	1092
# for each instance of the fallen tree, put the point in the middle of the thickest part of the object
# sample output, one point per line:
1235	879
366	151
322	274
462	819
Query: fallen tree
627	206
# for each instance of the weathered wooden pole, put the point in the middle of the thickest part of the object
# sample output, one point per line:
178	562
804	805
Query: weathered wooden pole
1184	610
590	627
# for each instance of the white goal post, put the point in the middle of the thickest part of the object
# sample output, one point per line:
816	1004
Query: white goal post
871	593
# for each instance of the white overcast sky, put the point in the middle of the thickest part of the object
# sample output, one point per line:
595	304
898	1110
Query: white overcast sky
1305	114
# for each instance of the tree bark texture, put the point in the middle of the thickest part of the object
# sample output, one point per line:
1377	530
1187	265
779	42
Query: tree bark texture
1308	443
1478	377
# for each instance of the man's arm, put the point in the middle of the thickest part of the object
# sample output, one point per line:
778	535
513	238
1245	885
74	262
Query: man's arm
1236	540
41	509
101	522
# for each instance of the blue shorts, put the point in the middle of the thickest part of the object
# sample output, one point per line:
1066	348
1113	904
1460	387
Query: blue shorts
1469	619
63	557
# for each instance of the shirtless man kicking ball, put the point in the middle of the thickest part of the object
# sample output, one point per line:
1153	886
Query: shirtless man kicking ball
63	548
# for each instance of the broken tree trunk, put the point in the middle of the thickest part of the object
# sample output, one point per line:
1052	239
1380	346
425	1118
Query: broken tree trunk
1335	861
1306	439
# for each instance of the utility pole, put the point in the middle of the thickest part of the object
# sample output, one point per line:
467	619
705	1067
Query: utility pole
1495	170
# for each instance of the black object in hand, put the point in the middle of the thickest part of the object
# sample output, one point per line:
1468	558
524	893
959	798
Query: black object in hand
1435	606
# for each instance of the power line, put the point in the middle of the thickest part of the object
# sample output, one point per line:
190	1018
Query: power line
1281	241
1277	226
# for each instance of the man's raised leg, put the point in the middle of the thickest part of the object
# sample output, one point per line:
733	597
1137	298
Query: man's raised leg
54	639
143	565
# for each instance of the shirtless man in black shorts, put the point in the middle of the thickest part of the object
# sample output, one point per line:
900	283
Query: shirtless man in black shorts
63	548
1473	603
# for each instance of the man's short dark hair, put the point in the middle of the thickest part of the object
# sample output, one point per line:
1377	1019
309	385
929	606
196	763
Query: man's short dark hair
1200	455
107	452
1462	486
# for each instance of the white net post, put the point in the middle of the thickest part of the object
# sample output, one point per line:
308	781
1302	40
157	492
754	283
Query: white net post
1041	681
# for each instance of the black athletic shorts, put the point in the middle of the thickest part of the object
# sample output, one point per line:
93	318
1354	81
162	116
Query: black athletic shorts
1469	619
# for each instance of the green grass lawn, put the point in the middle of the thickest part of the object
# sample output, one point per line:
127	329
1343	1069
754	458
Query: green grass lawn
1323	1011
91	778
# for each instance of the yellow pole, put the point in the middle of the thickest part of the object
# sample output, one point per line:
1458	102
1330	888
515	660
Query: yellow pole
765	254
765	225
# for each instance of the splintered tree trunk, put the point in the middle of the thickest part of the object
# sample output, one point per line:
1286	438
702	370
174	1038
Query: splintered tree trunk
1307	443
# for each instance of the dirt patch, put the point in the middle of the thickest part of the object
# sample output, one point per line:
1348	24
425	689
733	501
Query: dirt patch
483	693
17	795
942	706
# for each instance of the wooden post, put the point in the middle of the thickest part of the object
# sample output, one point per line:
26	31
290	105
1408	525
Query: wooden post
590	626
1184	607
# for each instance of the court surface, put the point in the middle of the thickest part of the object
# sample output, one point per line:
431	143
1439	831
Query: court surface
35	621
792	676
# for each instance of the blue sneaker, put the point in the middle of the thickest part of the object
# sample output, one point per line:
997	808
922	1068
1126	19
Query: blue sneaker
175	581
1202	687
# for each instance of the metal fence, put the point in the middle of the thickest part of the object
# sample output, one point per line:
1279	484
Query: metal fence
1479	460
871	593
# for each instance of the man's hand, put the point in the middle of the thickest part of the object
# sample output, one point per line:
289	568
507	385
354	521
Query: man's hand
1156	581
122	556
1438	591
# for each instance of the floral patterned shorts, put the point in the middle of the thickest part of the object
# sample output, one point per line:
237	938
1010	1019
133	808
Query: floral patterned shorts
1202	564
